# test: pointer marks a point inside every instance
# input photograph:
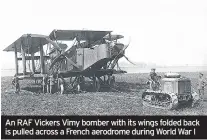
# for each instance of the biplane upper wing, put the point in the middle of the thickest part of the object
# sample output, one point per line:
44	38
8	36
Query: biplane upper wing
91	35
113	37
30	42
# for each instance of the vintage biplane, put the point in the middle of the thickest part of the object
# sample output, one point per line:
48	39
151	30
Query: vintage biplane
73	54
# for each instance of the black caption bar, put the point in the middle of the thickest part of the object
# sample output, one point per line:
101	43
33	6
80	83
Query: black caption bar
104	127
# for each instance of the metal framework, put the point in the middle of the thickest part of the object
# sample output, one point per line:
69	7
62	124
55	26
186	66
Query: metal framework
92	55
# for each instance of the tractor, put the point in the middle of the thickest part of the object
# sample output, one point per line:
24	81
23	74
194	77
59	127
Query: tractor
172	91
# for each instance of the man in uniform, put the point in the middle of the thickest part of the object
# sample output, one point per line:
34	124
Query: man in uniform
153	74
159	82
154	80
201	85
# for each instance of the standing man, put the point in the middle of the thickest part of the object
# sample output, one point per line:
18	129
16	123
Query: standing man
201	85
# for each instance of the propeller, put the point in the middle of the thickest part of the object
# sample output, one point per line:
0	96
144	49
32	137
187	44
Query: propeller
65	54
129	60
125	55
126	46
54	44
122	51
121	54
74	41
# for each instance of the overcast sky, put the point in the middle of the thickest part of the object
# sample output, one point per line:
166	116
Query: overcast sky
165	32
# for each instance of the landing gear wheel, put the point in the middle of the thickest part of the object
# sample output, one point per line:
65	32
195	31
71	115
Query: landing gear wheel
111	81
61	85
76	84
15	82
73	86
82	83
96	84
76	88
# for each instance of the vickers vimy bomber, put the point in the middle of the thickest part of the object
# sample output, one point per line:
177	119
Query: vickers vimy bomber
73	54
172	91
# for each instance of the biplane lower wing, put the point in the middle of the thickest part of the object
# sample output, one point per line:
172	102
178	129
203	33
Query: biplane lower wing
66	74
94	70
97	73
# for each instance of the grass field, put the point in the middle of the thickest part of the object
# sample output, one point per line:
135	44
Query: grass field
126	102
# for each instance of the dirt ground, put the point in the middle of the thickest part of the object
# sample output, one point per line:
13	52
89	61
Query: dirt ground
125	101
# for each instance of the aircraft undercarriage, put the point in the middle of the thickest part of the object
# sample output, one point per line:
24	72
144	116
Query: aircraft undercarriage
79	84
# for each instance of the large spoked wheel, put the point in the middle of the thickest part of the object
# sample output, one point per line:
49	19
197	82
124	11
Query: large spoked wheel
96	84
111	83
73	86
76	87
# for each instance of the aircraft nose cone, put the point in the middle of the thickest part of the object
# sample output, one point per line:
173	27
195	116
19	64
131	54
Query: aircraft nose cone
120	46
